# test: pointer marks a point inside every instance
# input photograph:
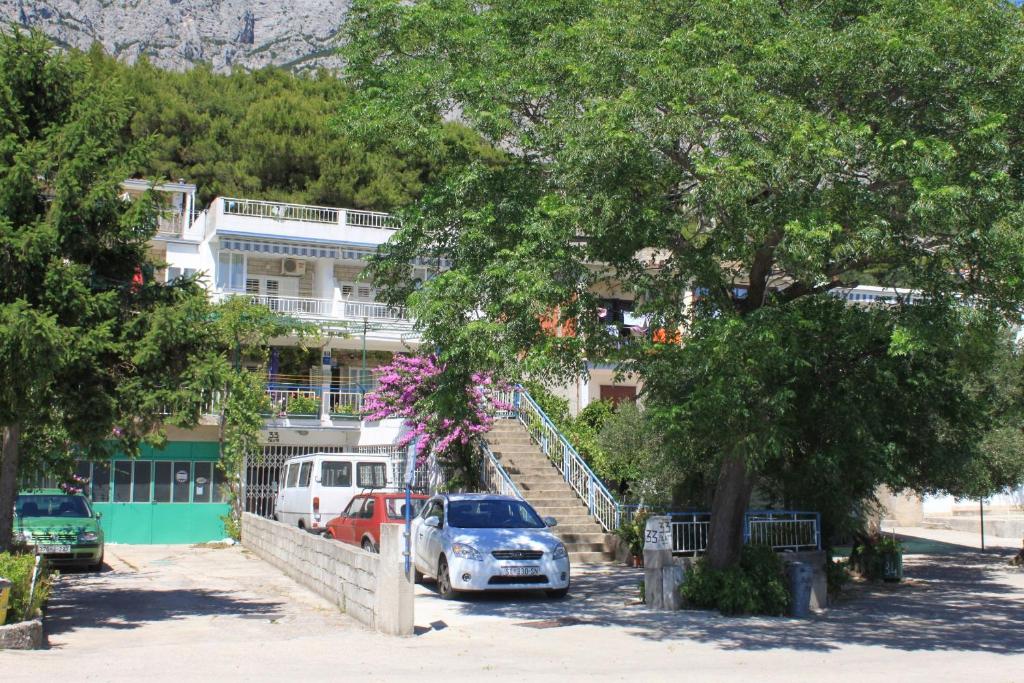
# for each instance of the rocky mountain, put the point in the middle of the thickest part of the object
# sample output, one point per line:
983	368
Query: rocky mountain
177	34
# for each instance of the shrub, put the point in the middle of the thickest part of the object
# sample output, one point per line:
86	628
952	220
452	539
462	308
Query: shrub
836	575
632	532
868	556
18	568
755	586
303	405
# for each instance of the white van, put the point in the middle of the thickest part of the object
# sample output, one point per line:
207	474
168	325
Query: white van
315	488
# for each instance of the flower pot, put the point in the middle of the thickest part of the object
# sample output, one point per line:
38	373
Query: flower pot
638	561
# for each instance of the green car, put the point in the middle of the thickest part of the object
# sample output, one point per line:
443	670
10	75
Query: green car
61	525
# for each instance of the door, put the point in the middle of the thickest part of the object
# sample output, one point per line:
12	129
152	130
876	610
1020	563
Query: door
345	530
288	511
303	497
334	486
364	525
426	536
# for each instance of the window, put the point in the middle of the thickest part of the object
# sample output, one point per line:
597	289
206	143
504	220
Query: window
101	482
396	507
493	514
123	481
371	475
219	483
252	286
435	509
273	287
336	474
293	476
182	481
307	467
355	508
230	271
203	482
140	485
368	508
162	482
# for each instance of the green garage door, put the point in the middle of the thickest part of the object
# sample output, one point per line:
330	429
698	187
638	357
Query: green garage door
172	495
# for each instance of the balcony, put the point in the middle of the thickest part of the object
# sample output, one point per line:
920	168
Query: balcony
331	310
256	218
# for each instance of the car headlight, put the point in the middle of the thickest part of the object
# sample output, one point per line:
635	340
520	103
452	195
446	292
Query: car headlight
559	553
88	536
466	552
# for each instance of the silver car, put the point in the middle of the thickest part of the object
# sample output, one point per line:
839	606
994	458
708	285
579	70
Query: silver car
479	542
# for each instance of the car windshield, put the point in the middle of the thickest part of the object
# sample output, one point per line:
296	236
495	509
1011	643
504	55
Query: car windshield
396	507
51	506
492	514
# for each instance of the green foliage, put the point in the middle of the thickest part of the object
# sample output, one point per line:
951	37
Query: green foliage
18	568
85	357
303	405
836	576
632	532
869	557
755	586
758	154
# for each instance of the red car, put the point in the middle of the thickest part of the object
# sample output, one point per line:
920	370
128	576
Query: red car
360	523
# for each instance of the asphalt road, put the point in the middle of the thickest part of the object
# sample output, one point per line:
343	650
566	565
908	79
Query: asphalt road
174	613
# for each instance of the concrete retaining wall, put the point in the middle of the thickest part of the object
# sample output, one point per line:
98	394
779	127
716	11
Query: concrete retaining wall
369	587
22	635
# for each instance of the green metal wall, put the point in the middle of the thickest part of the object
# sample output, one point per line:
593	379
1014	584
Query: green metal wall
184	521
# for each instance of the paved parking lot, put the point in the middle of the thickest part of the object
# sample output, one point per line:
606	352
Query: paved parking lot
164	613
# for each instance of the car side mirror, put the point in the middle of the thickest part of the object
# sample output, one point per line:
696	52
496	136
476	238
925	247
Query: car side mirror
433	521
98	515
551	521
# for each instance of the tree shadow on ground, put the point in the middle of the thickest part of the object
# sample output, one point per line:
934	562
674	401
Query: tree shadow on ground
83	601
955	602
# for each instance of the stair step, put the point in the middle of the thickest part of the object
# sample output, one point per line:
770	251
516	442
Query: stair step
588	558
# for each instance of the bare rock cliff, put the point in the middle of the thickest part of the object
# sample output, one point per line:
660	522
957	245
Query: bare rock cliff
176	34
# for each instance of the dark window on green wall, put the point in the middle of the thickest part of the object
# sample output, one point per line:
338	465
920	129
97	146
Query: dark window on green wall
219	484
101	482
203	482
122	481
162	482
143	476
182	481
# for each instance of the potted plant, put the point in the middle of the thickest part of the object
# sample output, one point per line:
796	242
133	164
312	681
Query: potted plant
631	533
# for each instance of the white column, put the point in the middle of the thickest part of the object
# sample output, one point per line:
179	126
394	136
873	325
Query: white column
325	386
323	281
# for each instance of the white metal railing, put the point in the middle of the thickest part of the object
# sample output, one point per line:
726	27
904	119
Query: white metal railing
783	529
169	223
255	208
690	532
587	485
294	305
357	310
493	476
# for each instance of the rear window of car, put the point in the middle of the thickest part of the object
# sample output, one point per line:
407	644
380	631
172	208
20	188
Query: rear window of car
336	474
396	507
52	506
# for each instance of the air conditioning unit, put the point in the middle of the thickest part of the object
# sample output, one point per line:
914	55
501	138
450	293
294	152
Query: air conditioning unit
292	266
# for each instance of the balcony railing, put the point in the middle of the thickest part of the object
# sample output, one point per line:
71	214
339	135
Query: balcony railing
254	208
170	223
327	309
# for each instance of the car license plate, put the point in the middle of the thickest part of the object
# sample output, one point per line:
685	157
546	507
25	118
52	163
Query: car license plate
520	571
54	549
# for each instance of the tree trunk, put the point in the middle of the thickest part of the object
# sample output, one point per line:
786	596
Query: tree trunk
732	495
8	483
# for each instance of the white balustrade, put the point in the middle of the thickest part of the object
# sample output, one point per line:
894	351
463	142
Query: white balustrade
254	208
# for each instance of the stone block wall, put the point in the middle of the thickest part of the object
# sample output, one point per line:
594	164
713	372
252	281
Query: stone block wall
372	588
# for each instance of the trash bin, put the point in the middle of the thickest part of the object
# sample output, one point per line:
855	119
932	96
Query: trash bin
5	595
801	578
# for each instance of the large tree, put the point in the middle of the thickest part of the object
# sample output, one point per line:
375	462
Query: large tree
84	362
758	154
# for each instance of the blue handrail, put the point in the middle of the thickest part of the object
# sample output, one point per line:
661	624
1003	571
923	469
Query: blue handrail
578	461
492	460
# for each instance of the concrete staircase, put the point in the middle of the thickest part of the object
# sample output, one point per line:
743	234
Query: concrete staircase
543	487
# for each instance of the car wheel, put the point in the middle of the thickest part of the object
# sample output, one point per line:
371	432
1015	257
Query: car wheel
97	566
559	593
368	546
444	581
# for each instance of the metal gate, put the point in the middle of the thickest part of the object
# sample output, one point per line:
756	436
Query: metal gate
259	485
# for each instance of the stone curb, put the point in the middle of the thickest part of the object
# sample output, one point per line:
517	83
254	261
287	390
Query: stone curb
24	635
